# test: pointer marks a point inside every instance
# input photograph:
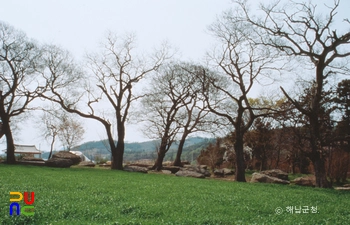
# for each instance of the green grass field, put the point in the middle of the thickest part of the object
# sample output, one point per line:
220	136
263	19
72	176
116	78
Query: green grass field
98	196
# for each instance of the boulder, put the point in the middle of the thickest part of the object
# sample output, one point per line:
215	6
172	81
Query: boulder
203	167
342	188
276	173
203	170
167	163
59	162
87	164
309	181
166	171
187	173
198	169
104	165
219	172
228	171
263	178
67	155
135	169
173	169
223	172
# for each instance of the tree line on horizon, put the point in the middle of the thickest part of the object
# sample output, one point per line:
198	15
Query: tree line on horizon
288	40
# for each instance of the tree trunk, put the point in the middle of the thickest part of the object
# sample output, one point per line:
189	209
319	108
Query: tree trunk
117	157
177	161
240	168
10	146
51	147
1	130
316	156
158	165
320	173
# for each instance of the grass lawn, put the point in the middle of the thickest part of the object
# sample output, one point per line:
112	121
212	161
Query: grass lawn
97	196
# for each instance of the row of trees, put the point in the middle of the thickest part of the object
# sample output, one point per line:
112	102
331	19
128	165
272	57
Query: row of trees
282	140
183	98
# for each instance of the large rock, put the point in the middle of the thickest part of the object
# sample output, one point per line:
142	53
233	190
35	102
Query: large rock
276	173
219	172
59	162
166	172
187	173
309	181
263	178
342	188
202	169
223	172
173	169
228	171
67	155
135	169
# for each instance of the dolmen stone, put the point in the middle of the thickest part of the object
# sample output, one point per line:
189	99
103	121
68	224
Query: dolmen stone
63	159
135	169
276	173
202	169
166	172
188	173
309	181
228	171
68	155
263	178
59	162
173	169
223	172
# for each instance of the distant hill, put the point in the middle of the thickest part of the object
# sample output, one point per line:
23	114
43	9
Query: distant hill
143	150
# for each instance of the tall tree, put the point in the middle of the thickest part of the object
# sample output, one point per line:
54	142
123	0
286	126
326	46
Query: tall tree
241	63
194	115
18	62
298	30
115	71
173	103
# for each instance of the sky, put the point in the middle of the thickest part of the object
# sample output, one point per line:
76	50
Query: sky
81	25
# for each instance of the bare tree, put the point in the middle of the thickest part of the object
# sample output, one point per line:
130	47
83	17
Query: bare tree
161	106
298	30
18	60
71	131
50	129
115	71
193	117
241	64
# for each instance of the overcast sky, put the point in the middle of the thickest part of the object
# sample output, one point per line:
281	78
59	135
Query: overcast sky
80	25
